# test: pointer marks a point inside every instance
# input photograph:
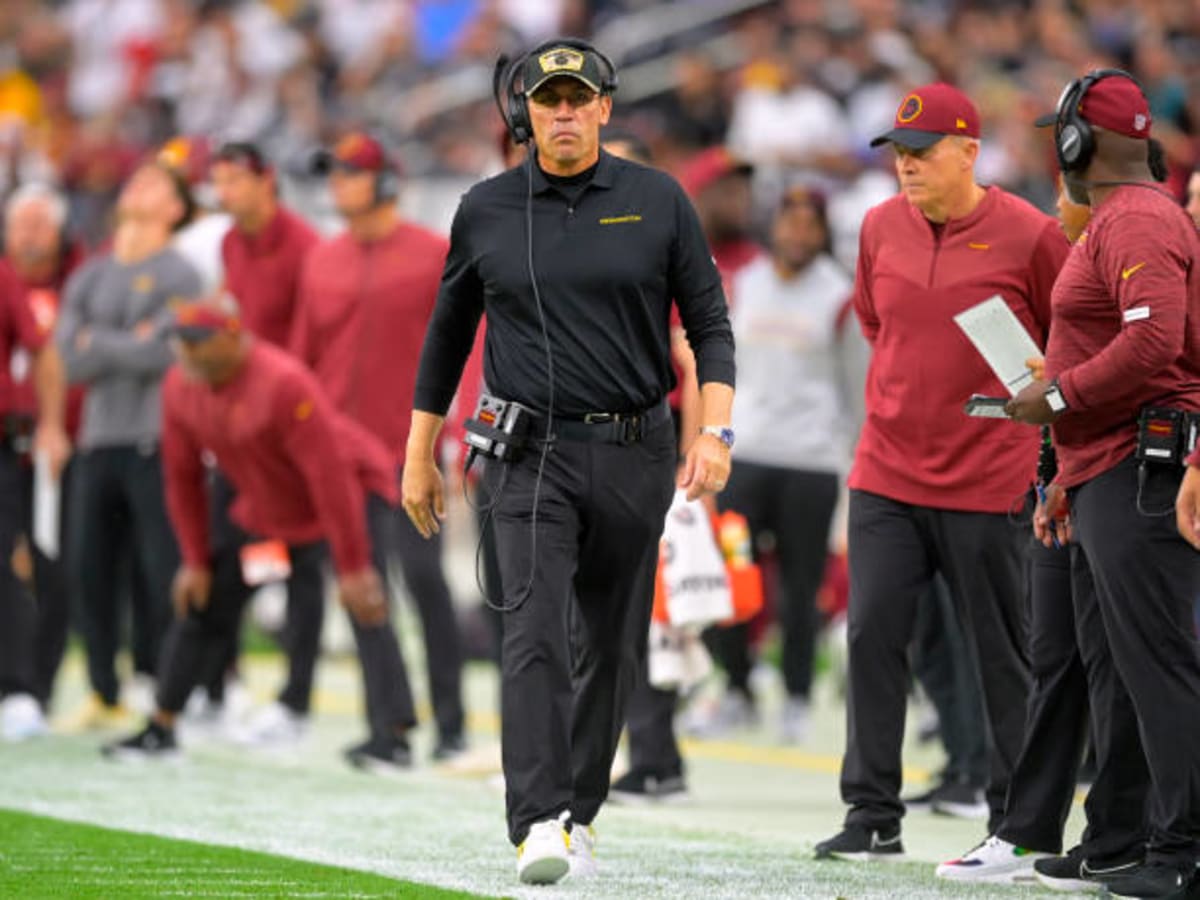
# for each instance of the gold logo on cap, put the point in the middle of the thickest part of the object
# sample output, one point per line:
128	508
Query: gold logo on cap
910	108
561	59
959	123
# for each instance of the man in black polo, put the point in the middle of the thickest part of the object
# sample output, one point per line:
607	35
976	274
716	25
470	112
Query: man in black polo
577	310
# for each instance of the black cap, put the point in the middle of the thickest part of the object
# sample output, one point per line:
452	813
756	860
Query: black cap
563	61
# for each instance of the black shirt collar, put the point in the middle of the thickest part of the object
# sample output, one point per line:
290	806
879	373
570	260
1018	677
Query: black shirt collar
602	175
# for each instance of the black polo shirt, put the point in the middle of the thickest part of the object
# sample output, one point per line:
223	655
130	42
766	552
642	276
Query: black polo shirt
608	262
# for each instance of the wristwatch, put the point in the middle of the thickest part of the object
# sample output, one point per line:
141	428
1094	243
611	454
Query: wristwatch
1054	397
724	434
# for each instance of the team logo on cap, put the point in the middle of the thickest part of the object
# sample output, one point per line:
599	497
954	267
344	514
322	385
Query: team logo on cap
1139	122
349	146
562	59
909	109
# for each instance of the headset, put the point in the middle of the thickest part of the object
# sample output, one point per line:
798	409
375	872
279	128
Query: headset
514	105
1074	138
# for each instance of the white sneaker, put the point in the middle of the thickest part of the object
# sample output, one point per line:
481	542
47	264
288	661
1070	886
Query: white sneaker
274	727
544	855
732	712
994	862
21	718
793	721
582	852
140	693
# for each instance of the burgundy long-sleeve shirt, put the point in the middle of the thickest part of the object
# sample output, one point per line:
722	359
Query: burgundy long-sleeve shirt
301	470
1126	328
363	311
917	446
262	272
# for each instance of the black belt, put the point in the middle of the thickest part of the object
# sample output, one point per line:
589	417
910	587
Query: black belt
607	428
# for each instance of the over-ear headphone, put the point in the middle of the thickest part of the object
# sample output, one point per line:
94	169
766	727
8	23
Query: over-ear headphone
1074	138
514	105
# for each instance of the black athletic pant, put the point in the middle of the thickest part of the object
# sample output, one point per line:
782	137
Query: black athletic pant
894	549
198	644
421	566
944	666
796	507
575	632
1064	617
51	593
118	511
1147	578
18	613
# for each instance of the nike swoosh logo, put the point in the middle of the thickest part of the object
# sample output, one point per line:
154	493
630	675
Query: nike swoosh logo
877	842
1125	273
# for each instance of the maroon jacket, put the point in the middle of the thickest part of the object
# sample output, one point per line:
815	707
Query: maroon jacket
364	309
301	470
917	446
263	272
1126	328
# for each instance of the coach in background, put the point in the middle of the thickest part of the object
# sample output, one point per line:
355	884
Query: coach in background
32	635
303	474
366	296
578	309
1125	343
930	488
112	334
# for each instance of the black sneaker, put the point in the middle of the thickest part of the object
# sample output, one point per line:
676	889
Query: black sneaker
643	787
152	742
960	799
1149	880
1066	873
862	844
382	755
448	747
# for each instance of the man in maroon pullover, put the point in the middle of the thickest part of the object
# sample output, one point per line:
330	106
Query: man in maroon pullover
931	489
262	255
1124	345
365	301
303	474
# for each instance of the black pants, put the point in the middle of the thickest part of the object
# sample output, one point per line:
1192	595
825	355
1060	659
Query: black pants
421	565
18	613
943	664
796	507
1064	617
1147	578
578	613
198	644
118	513
894	550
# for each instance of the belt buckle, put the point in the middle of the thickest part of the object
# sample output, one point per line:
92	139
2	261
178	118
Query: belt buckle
631	429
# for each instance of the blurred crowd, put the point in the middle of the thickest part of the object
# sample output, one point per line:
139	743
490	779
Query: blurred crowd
797	87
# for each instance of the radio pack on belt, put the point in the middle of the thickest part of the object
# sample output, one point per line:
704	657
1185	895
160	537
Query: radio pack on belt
1166	435
498	429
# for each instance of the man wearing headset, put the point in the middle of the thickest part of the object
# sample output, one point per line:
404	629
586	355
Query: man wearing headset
365	298
1124	344
575	257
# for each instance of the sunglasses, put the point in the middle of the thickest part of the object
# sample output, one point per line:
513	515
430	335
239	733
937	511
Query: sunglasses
577	98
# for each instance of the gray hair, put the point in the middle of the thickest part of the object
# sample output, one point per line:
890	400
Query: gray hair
33	192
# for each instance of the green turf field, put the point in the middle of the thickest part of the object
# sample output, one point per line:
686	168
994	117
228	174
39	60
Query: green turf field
41	857
748	831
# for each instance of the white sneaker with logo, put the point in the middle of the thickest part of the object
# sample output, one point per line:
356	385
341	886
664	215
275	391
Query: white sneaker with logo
582	850
995	861
544	855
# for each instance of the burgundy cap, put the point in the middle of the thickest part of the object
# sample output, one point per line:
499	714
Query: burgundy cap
199	320
189	156
711	165
930	113
1117	104
1114	102
357	151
